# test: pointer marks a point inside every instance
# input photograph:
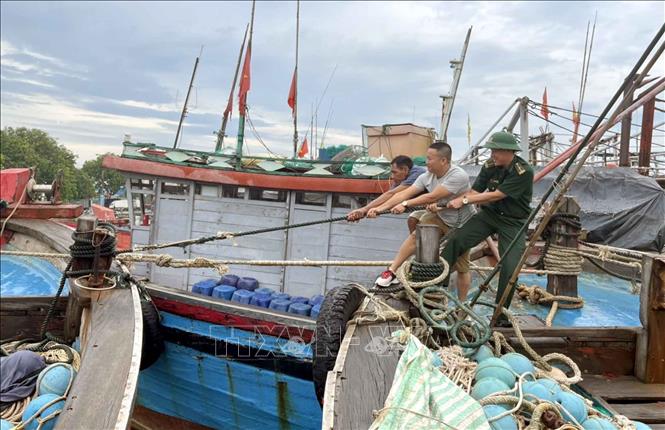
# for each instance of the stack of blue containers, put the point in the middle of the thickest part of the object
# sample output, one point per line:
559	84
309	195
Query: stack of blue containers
246	291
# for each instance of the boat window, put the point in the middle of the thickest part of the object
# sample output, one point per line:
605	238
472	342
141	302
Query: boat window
267	195
312	199
206	190
174	188
342	201
233	192
348	201
143	208
142	184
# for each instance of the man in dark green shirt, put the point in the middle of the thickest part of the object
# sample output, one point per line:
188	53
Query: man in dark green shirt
503	189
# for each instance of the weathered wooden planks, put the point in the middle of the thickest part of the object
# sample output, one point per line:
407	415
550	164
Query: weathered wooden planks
645	412
624	388
103	392
23	316
349	403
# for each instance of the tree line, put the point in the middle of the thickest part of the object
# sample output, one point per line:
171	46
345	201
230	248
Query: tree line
23	147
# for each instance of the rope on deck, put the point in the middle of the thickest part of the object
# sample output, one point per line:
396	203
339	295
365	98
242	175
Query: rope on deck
540	296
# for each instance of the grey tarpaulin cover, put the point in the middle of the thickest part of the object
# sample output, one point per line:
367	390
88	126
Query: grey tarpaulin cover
619	207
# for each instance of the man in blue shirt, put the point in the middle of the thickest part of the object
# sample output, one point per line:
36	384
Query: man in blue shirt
402	175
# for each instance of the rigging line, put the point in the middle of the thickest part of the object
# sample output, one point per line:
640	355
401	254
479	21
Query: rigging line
586	44
549	121
256	133
537	104
586	73
325	89
581	123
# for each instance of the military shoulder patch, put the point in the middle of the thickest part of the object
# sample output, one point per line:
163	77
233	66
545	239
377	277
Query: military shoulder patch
519	169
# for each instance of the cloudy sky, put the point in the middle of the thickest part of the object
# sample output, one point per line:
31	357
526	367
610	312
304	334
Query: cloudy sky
89	73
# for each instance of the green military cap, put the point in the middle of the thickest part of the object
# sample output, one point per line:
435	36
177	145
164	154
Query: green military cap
503	140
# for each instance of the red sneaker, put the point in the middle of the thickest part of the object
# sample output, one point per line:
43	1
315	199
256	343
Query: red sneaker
387	279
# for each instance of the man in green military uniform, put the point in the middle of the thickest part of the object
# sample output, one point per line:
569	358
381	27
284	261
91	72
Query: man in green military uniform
503	189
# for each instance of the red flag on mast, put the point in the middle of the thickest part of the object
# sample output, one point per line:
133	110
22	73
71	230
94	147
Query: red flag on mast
245	79
304	149
544	109
293	93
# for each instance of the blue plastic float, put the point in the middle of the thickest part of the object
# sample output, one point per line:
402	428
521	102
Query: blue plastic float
223	292
242	296
204	287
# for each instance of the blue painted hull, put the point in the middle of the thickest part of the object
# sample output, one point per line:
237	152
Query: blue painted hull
227	387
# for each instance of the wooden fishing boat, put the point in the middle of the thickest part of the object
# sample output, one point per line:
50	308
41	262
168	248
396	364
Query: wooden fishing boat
112	323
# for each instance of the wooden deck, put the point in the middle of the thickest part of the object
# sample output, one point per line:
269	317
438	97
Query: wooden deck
349	403
626	395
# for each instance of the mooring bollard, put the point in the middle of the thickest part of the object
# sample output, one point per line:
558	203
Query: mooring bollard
427	243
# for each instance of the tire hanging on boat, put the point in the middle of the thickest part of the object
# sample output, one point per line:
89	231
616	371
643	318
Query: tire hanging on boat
336	310
153	339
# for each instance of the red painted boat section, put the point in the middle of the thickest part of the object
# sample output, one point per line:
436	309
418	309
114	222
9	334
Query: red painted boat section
12	184
202	313
43	211
247	179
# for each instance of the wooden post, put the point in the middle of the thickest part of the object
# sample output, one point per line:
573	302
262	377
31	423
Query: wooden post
567	236
624	145
650	350
427	243
646	136
86	228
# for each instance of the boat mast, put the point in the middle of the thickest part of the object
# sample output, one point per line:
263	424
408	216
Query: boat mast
295	80
448	101
227	111
243	107
184	108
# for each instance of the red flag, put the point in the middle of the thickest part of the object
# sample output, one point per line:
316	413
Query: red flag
245	80
292	93
544	110
304	149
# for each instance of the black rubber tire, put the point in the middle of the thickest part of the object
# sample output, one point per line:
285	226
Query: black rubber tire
337	308
153	339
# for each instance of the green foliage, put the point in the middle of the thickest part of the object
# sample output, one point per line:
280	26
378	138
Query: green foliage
22	147
107	181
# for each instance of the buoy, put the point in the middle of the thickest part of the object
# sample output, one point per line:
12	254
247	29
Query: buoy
247	283
262	300
242	296
505	423
38	403
639	426
300	299
595	423
315	300
279	304
497	368
483	353
265	290
299	308
573	407
552	386
315	311
533	390
519	363
223	291
56	379
231	280
488	386
204	287
281	296
6	425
